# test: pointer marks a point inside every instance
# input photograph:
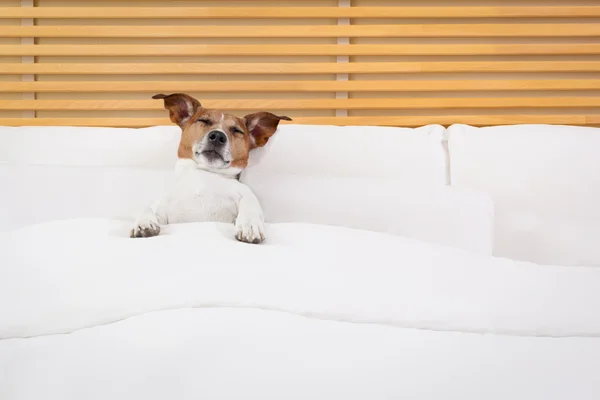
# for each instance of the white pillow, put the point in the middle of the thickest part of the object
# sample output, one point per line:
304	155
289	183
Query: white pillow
407	155
545	184
50	173
376	178
38	193
154	147
442	214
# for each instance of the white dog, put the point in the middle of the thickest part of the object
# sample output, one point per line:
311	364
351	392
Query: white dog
213	151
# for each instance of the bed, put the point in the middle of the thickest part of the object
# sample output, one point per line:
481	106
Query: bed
429	234
317	312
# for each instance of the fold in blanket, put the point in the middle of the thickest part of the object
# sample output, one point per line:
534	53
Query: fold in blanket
64	276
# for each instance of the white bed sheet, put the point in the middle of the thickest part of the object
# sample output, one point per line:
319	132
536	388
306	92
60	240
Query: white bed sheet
545	185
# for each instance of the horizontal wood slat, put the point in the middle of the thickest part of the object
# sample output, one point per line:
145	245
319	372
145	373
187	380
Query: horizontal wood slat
477	120
492	48
300	12
104	50
297	68
309	104
310	31
305	86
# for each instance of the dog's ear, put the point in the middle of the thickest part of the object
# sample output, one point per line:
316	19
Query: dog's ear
181	106
261	126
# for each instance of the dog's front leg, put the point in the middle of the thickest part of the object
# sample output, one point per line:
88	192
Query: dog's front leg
148	222
249	224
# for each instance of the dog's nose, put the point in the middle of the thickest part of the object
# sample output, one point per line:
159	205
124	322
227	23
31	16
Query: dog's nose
217	137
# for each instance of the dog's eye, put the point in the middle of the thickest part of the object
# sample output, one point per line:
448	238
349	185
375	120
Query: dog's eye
237	131
205	121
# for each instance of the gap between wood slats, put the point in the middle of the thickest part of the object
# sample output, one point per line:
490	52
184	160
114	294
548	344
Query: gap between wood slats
301	12
477	120
309	104
300	50
299	68
27	60
345	22
314	31
305	86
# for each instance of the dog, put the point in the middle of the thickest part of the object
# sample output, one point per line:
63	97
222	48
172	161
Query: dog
213	151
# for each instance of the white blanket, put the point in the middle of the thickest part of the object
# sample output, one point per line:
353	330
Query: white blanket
233	354
64	276
314	313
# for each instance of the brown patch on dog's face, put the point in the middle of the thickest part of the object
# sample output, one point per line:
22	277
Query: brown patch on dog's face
217	141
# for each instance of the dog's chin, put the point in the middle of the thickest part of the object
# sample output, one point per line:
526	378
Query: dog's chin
212	159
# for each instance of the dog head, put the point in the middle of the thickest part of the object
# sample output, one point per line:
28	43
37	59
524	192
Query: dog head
216	141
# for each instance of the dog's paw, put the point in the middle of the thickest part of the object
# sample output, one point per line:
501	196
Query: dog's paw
249	230
145	229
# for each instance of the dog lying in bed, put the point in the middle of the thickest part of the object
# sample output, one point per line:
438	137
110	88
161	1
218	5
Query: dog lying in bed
214	149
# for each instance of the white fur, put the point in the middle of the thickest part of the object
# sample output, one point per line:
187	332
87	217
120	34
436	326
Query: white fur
200	195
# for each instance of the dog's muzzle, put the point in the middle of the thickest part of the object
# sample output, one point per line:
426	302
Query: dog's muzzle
214	147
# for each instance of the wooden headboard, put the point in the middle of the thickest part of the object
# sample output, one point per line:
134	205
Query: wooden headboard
363	62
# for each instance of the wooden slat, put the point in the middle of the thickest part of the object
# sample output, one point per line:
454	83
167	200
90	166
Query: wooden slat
309	104
300	12
305	86
300	50
297	68
308	31
477	120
